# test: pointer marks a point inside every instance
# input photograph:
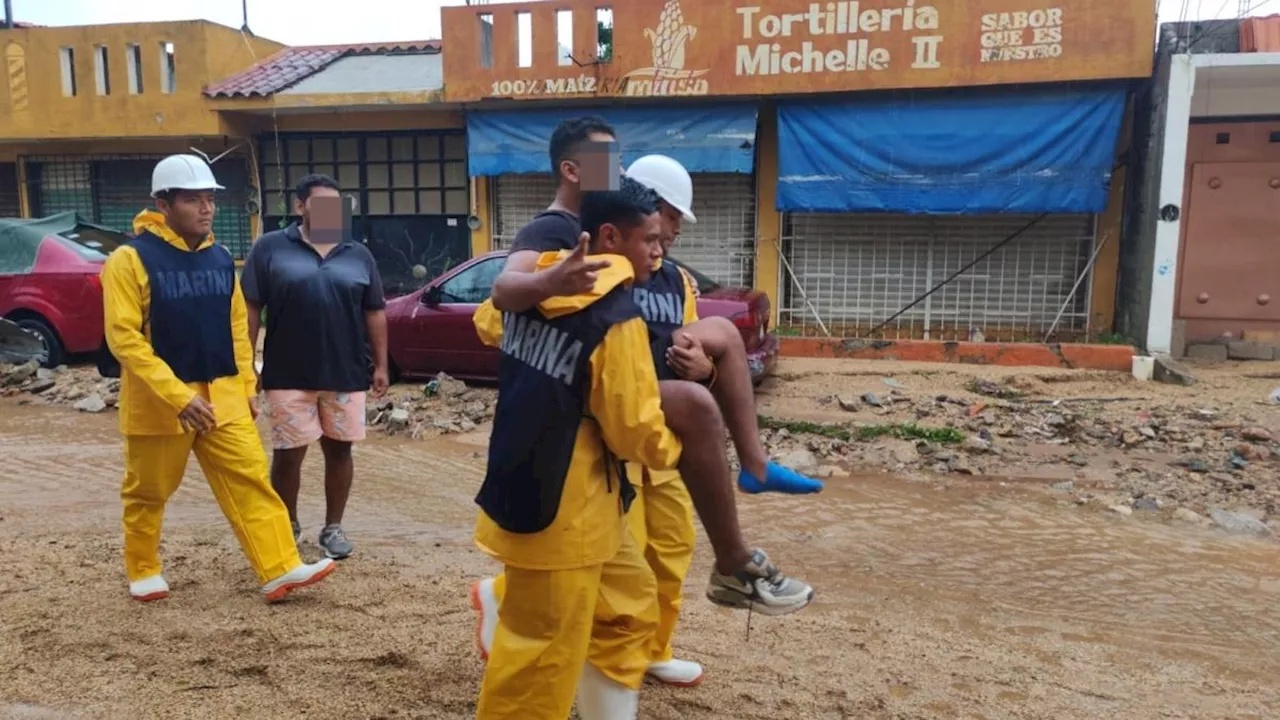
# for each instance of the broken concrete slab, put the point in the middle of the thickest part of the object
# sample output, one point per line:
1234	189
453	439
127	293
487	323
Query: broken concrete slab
1170	372
18	346
1242	350
1210	352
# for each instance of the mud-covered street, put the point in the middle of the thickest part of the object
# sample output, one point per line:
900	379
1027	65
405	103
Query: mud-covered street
940	593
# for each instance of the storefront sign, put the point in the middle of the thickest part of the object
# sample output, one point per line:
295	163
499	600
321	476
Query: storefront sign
683	48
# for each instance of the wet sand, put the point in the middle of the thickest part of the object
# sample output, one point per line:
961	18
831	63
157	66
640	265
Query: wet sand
971	601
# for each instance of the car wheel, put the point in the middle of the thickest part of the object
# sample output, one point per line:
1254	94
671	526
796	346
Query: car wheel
52	345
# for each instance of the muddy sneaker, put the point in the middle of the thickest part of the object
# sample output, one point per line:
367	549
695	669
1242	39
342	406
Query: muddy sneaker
335	542
677	673
149	589
760	588
297	532
299	577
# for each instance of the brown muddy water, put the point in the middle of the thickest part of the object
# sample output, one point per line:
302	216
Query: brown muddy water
974	601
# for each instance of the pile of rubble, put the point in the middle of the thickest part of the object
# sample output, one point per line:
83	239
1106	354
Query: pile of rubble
1126	454
82	388
1194	456
443	406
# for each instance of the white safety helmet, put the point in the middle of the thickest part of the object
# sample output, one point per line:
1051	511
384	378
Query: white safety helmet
669	179
182	172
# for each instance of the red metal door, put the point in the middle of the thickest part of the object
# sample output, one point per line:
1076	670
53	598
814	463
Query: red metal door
1231	264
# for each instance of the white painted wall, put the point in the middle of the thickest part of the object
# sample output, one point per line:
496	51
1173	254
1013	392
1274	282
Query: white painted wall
1215	85
1164	277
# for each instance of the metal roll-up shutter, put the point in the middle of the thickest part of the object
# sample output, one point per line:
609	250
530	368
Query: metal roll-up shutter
859	269
516	199
722	243
123	190
10	205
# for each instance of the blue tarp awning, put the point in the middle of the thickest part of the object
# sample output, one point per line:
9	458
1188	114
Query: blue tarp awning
714	138
1007	152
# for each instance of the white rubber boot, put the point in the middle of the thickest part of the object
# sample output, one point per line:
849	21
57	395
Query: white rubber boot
149	589
680	673
299	577
485	603
600	698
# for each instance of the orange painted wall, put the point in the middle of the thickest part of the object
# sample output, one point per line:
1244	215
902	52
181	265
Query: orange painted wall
704	47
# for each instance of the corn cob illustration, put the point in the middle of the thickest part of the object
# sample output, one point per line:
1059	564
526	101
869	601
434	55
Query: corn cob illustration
670	37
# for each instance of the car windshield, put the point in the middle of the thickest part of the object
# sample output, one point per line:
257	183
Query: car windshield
705	284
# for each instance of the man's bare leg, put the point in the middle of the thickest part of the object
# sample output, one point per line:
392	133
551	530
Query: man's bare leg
743	578
693	416
735	397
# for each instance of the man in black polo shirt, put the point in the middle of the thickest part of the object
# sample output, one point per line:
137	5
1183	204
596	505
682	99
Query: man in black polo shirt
324	310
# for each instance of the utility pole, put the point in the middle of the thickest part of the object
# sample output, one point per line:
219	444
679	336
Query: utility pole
1244	8
8	14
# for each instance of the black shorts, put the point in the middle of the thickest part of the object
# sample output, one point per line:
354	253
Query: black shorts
658	346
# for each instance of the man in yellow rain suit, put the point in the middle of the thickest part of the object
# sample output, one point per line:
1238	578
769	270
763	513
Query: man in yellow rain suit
661	518
176	321
577	391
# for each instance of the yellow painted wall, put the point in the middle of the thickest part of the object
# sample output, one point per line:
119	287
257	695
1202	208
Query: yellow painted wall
32	104
1106	268
481	238
768	219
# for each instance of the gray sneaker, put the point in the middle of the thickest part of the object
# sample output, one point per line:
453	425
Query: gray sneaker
297	531
759	587
335	542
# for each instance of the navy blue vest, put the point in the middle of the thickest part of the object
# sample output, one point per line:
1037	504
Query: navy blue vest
661	300
544	378
190	314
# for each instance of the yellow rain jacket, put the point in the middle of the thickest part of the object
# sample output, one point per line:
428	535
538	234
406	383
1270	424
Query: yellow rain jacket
151	396
627	412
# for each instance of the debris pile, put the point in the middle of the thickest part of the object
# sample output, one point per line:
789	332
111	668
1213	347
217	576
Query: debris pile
444	406
81	388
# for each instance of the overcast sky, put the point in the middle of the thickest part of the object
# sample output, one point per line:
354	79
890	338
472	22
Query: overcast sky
318	22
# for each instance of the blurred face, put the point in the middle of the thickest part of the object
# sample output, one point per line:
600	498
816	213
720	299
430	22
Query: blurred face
672	222
641	244
190	214
324	217
587	164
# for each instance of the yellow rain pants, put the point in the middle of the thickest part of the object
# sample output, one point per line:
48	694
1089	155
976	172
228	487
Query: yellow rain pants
235	465
553	621
661	522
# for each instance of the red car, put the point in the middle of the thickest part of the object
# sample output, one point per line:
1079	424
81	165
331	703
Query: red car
50	281
430	330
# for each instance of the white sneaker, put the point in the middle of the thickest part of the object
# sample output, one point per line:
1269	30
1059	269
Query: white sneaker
680	673
485	603
149	589
600	698
299	577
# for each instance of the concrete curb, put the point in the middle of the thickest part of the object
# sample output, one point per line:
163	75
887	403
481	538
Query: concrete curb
1118	358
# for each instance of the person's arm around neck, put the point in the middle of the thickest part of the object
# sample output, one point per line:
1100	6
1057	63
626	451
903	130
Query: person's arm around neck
520	286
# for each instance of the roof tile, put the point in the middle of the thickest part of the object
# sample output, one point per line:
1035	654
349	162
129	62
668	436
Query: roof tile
294	64
1260	34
